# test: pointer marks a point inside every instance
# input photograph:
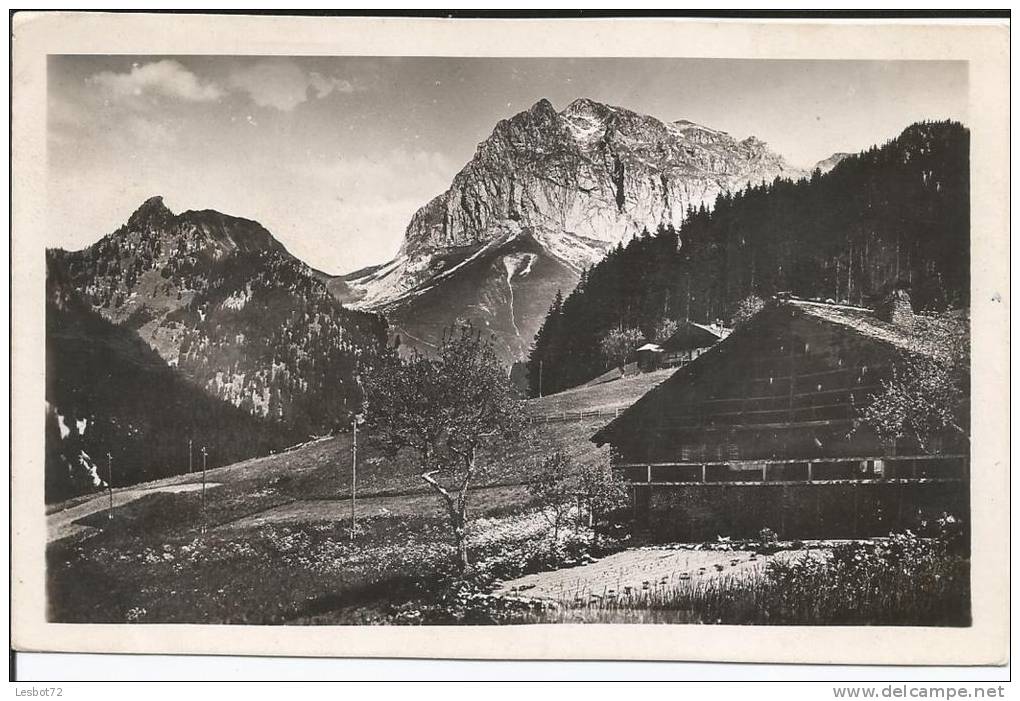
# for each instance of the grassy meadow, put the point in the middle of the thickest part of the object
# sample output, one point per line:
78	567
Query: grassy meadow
273	546
161	559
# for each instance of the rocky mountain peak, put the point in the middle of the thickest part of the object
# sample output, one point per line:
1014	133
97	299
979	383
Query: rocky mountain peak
220	299
586	107
153	231
543	106
151	213
540	122
827	164
229	232
574	183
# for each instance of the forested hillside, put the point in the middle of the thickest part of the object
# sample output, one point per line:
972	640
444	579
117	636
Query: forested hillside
895	213
108	392
222	300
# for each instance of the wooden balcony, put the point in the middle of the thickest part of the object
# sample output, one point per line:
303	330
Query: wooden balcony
898	469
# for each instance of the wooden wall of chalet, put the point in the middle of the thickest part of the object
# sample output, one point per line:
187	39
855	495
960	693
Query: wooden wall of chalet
790	387
693	513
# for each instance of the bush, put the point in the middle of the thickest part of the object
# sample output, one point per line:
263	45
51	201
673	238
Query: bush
904	579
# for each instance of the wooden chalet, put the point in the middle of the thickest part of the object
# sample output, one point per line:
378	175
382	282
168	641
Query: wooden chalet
764	430
649	357
689	341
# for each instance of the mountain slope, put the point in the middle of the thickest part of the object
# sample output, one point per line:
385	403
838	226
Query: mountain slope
108	392
501	288
219	298
899	213
827	164
574	183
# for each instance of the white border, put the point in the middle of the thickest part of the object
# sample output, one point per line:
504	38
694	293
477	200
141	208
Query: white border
984	45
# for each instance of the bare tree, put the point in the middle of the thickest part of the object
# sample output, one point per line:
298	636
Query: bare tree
925	395
445	409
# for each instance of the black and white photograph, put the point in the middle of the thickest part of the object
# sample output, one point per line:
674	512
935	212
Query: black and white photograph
486	341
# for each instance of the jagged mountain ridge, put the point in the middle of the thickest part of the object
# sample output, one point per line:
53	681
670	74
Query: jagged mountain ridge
222	300
574	182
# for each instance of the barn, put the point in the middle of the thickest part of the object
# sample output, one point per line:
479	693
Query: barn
765	429
648	357
690	340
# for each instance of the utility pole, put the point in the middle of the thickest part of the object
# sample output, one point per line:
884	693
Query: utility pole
204	454
354	473
189	456
355	420
540	379
109	482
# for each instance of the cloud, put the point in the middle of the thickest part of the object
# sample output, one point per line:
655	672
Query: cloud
150	132
283	84
166	78
324	85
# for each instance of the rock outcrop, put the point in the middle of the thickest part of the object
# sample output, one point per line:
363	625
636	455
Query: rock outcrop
575	182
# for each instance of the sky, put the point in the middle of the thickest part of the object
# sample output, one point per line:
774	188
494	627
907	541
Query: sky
335	154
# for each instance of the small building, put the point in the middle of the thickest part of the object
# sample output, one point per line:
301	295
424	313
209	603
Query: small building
764	430
689	341
649	357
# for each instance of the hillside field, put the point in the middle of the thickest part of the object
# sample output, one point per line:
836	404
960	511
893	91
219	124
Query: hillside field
281	523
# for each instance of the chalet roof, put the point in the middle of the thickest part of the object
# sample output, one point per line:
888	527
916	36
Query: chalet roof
691	334
655	347
858	320
714	329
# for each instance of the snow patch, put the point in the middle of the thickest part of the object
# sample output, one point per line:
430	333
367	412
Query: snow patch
518	264
87	464
403	276
65	430
574	251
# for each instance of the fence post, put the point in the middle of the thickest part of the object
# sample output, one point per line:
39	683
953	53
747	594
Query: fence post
856	505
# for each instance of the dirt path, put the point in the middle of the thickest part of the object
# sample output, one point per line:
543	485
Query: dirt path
61	524
640	569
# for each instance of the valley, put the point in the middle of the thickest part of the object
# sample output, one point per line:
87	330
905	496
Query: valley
437	340
152	560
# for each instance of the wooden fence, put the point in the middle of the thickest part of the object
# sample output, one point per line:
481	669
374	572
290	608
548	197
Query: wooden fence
576	415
